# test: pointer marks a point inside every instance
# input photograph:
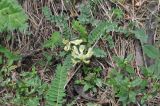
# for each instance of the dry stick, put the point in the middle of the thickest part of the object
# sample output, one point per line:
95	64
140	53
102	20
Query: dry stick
133	12
56	14
114	46
62	7
37	30
112	101
12	42
2	91
107	14
108	5
38	27
110	58
54	8
158	5
31	18
72	75
105	10
106	48
112	63
103	67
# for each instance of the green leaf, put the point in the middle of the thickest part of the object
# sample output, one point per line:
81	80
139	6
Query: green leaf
140	34
80	29
132	96
56	92
87	86
110	41
54	40
3	49
85	16
101	28
11	56
99	52
33	102
12	67
151	51
123	96
98	82
118	13
60	20
12	16
136	82
154	69
47	56
97	32
130	69
129	58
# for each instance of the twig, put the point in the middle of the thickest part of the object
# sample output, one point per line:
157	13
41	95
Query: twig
2	91
72	75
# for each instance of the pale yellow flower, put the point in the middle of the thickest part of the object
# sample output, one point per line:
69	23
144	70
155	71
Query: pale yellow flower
65	41
68	43
75	61
89	53
81	49
86	61
77	42
78	54
67	46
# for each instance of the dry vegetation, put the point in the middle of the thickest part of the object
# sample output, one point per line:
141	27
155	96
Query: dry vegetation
42	62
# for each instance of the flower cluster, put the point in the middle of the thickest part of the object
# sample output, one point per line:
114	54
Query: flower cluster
78	51
68	43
